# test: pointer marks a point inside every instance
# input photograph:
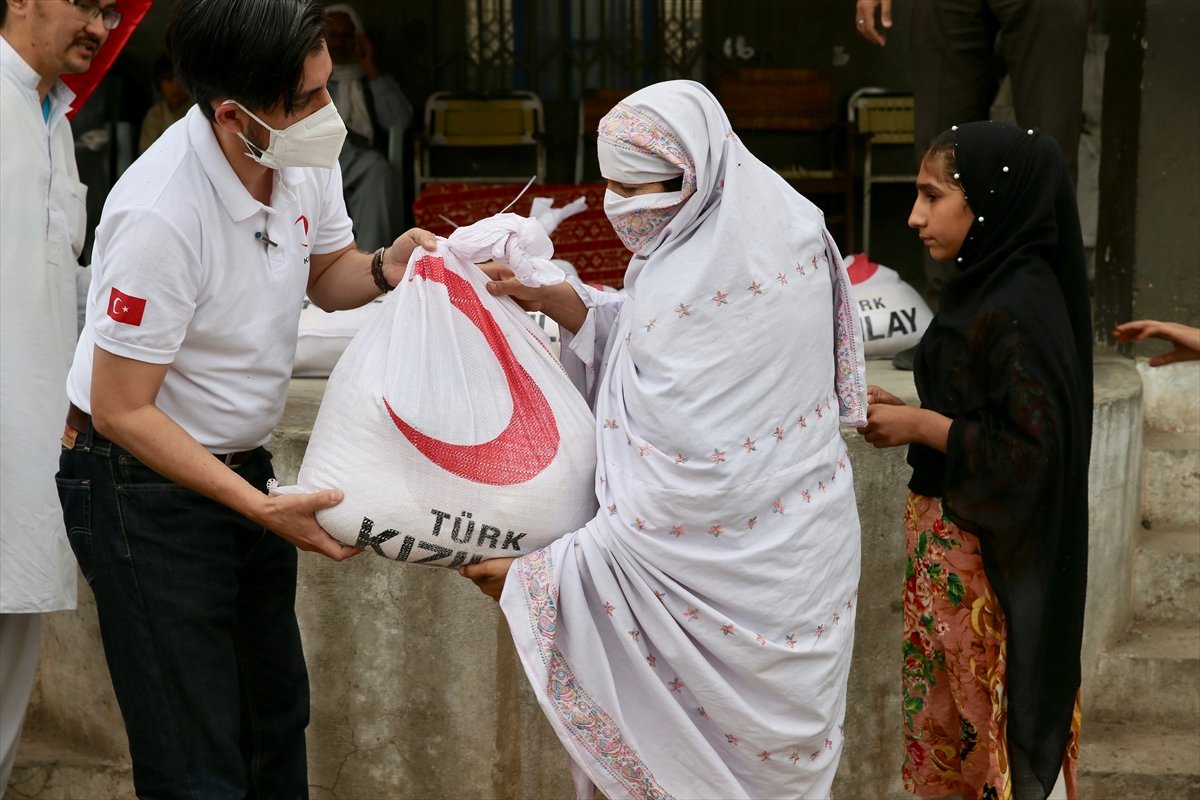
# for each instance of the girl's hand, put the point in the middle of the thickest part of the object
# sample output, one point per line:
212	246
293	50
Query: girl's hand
488	575
878	395
889	424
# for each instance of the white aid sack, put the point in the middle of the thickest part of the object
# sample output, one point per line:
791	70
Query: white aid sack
449	425
542	209
893	313
323	336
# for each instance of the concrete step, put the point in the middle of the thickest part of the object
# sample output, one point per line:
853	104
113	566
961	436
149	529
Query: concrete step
49	770
1139	762
1166	576
1171	479
1153	671
1169	396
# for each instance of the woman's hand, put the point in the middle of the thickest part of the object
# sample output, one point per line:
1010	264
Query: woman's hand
488	575
1185	339
503	283
559	302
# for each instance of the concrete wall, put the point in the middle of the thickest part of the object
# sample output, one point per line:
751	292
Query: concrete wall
416	689
1114	509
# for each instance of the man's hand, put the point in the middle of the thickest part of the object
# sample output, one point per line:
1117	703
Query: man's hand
395	257
864	19
366	58
1186	339
293	517
489	575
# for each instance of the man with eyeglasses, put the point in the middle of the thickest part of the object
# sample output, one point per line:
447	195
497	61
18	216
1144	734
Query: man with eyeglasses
106	12
42	221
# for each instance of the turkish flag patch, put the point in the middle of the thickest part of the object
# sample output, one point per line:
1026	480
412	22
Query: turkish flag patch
125	307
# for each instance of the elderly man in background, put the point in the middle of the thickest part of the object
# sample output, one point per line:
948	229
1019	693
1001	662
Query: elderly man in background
42	219
370	102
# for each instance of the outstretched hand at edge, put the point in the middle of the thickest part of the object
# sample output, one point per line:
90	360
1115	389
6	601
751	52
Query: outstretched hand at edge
1185	338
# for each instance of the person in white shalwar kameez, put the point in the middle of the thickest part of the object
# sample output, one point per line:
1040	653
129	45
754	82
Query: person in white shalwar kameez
371	103
694	639
42	221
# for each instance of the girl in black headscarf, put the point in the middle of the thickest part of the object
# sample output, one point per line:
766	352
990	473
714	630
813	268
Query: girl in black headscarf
996	521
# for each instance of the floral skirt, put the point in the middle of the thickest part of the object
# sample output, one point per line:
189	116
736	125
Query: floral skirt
955	704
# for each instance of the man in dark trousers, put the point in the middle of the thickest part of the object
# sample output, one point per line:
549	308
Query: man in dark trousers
206	249
956	46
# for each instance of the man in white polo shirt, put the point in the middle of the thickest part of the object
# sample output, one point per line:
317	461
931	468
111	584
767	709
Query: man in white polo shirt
206	248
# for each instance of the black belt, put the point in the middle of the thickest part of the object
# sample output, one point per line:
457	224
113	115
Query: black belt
80	421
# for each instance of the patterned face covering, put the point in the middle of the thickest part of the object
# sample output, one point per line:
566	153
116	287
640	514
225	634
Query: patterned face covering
636	148
638	219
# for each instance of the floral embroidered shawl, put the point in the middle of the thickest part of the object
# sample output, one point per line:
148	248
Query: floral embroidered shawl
694	639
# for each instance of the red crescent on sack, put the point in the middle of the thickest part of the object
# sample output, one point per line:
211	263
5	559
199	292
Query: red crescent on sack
530	441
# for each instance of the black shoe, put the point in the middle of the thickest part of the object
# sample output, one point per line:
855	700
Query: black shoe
904	359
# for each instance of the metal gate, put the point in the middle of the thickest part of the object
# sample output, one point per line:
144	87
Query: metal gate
561	48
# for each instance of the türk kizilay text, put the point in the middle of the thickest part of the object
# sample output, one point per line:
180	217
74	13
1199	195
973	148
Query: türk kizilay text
463	530
901	322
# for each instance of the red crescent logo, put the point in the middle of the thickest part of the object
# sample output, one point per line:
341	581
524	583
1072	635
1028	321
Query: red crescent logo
529	443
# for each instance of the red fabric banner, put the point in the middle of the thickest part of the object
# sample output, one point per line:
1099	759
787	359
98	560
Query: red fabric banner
83	84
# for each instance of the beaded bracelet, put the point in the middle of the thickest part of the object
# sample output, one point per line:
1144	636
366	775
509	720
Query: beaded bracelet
377	271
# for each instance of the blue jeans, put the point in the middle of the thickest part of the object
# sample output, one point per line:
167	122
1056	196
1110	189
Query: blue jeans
197	615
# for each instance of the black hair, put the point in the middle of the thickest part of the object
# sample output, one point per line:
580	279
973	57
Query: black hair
3	12
941	155
252	51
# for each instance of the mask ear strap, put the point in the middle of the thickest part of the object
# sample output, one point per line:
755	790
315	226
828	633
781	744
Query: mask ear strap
248	112
254	150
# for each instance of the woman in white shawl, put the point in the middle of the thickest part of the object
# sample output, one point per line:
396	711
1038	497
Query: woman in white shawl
694	639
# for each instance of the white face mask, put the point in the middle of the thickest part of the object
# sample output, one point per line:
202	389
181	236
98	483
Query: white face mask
315	141
637	219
